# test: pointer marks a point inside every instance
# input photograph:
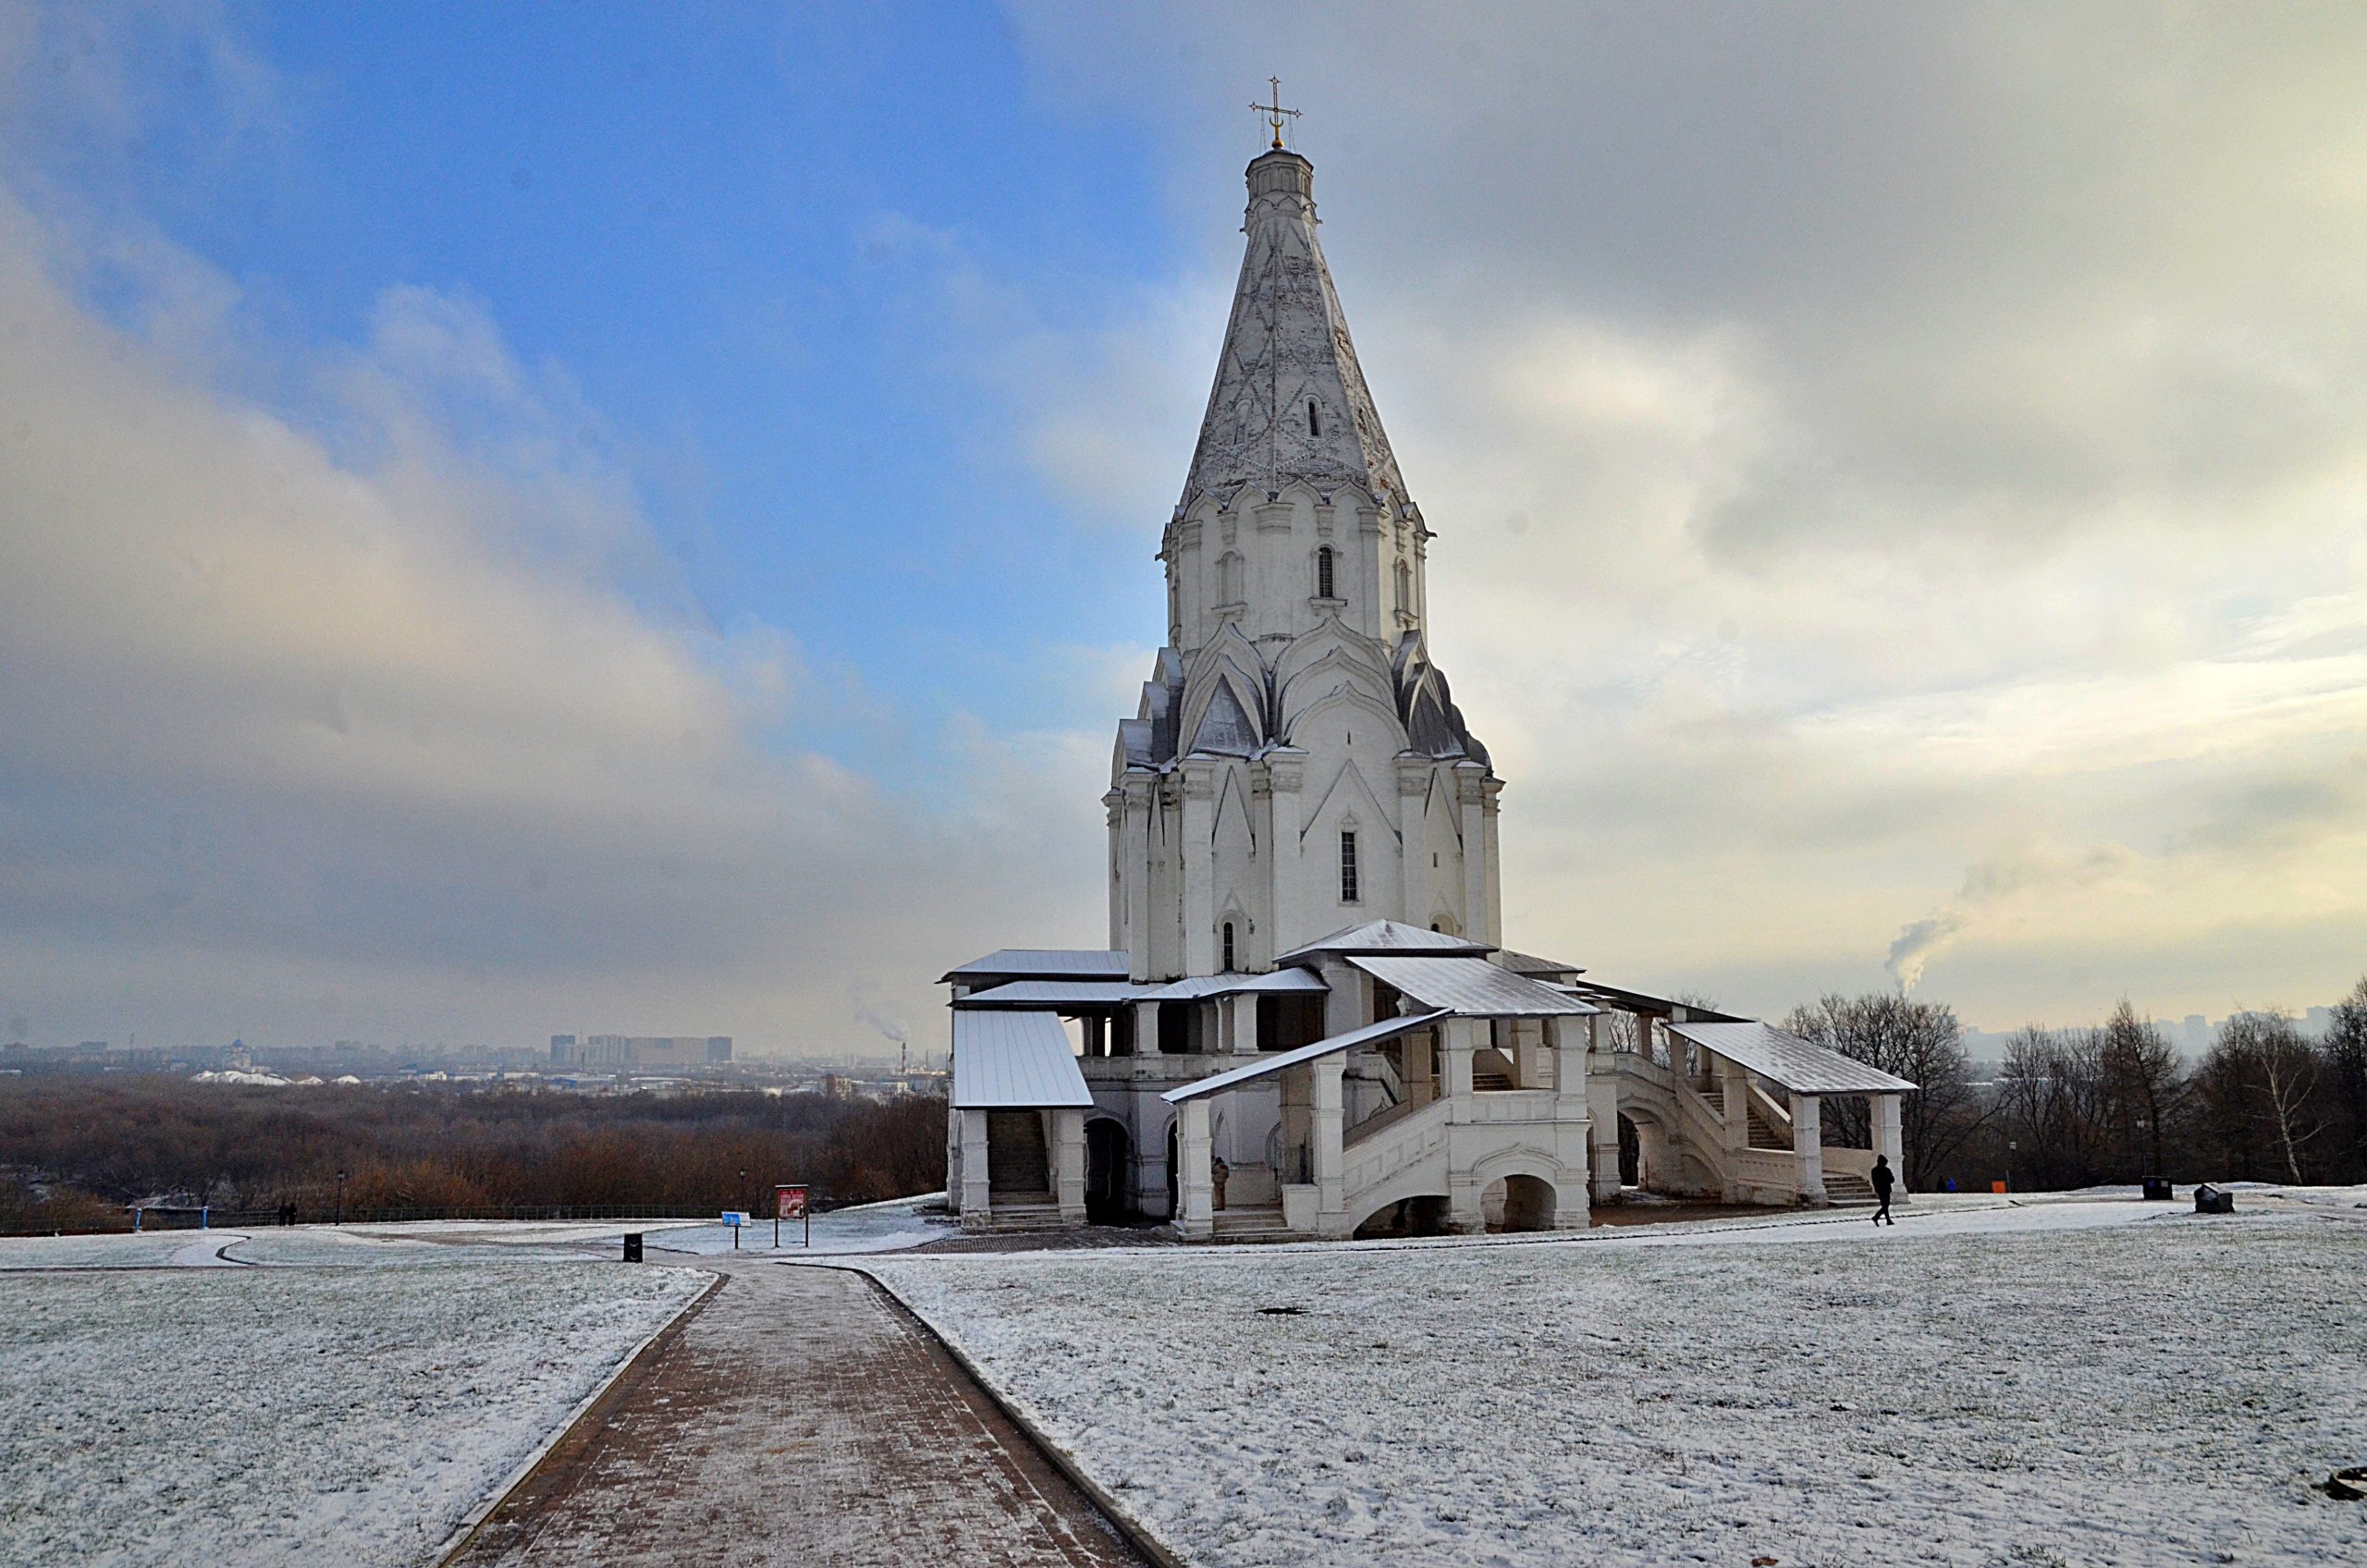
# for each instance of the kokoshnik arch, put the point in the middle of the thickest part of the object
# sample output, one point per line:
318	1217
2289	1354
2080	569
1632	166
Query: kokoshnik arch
1306	1022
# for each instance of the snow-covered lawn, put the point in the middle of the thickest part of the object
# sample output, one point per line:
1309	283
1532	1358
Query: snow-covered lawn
2065	1383
892	1226
289	1414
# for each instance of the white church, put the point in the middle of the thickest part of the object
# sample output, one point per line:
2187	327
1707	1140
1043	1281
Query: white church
1306	1024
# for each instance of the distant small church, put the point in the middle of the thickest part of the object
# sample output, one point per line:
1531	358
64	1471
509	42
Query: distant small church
1306	1022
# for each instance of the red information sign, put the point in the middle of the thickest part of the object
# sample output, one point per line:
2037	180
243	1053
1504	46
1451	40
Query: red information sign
791	1204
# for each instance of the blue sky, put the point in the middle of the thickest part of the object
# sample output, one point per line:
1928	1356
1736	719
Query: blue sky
701	215
539	518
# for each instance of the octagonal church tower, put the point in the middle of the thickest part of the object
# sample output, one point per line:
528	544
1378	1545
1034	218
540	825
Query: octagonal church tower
1296	765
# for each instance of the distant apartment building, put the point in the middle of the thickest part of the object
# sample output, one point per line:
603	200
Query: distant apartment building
640	1051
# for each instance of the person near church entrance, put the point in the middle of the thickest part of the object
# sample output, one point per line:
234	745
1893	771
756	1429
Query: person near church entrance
1884	1178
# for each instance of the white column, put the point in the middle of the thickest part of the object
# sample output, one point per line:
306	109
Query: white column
1286	774
1196	852
1733	1091
1889	1139
1807	1147
1462	1037
1134	872
1412	790
973	1167
1196	1181
1471	803
1114	811
1348	1005
1325	1144
1068	1163
1242	1031
1569	1038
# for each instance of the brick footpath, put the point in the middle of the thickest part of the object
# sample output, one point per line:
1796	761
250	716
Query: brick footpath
798	1419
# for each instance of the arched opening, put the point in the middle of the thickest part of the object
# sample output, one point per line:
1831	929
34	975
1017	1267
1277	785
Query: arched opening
1519	1203
1324	573
1107	1148
1423	1216
1405	589
1230	588
1631	1155
1314	424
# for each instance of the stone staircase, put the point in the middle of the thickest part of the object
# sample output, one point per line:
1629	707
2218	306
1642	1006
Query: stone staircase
1847	1190
1260	1223
1763	1134
1018	1166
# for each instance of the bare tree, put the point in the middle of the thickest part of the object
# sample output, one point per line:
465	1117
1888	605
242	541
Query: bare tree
1918	1041
2345	1053
2262	1090
2144	1084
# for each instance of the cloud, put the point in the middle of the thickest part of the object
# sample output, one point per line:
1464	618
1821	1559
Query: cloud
1858	439
392	721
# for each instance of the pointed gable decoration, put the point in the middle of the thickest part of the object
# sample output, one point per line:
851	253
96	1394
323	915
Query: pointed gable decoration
1290	401
1225	730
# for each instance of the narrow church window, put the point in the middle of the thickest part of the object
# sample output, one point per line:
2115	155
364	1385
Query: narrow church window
1313	427
1347	868
1405	589
1323	573
1228	947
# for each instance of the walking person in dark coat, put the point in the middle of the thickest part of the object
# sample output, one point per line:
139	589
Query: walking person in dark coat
1885	1177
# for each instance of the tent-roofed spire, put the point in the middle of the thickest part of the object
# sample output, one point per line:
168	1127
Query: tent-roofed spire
1290	401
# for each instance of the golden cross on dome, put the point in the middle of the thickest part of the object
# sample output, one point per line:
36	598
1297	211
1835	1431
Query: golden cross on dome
1274	112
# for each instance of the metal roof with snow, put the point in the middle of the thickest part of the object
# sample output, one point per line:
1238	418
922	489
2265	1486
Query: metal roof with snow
1043	963
1263	1065
1384	937
1656	1007
1199	988
1801	1066
1057	995
1535	968
1472	988
1015	1061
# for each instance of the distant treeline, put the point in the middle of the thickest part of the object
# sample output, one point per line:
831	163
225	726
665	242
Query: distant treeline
76	1151
2077	1108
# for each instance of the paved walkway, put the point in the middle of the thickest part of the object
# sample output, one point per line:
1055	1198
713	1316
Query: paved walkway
798	1418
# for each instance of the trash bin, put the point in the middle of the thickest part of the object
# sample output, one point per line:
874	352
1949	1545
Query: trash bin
632	1247
2157	1189
2209	1199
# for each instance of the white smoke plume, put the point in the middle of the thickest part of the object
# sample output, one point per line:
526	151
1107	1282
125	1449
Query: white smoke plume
1916	945
1985	886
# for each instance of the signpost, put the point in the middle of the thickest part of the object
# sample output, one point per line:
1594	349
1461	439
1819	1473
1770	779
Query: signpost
790	1204
735	1217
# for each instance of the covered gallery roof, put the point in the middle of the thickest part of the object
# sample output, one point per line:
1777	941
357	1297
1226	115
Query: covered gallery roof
1472	988
1058	995
1015	1061
1535	968
1801	1066
1651	1006
1199	988
1042	963
1384	937
1270	1062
